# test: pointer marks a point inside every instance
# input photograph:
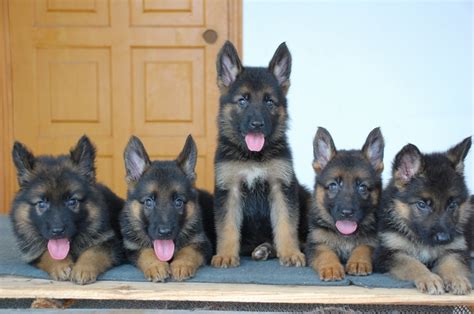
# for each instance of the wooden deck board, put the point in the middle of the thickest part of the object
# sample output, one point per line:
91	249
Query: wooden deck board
19	287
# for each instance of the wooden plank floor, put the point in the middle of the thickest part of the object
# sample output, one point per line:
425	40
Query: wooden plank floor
19	287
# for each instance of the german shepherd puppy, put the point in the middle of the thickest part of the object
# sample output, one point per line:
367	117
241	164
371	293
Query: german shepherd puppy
62	218
257	196
424	211
162	219
342	219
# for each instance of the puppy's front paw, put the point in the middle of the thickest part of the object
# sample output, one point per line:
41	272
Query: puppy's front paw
220	261
61	271
331	272
431	284
457	285
181	270
84	274
157	272
293	259
359	268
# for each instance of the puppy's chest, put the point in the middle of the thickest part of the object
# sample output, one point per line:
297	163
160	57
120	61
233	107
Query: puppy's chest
253	175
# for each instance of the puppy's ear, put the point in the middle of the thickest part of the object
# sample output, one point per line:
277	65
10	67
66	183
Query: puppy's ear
408	163
373	149
136	159
323	149
228	66
187	158
24	161
458	153
280	66
83	155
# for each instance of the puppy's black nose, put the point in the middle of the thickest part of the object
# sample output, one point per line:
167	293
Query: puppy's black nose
164	231
442	237
347	212
58	231
257	125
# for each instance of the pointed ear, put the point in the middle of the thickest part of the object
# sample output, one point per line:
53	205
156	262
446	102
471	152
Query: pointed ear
228	65
83	155
323	149
187	158
458	153
408	163
136	159
24	161
373	149
280	66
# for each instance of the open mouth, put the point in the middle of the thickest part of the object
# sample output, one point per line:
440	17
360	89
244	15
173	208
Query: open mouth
255	141
58	248
164	249
346	227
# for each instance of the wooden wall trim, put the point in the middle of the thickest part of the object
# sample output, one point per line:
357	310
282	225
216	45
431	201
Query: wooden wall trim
6	112
235	25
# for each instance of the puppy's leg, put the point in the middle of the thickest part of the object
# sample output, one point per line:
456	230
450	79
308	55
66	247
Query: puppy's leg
153	269
285	227
228	223
406	267
186	262
327	264
90	264
57	269
454	273
360	262
263	252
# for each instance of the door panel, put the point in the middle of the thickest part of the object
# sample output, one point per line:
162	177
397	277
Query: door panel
110	69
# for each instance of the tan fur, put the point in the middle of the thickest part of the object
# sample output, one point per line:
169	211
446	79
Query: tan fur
153	269
454	273
233	172
402	209
185	263
90	264
57	269
360	262
409	268
327	264
190	212
136	210
424	253
285	231
228	231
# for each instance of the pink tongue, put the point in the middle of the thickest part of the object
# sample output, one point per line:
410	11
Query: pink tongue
346	226
164	249
58	249
255	141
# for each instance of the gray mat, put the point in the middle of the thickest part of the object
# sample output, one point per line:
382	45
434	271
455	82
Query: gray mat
267	272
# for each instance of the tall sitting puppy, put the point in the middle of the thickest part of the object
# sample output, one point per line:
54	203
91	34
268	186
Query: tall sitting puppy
347	192
257	196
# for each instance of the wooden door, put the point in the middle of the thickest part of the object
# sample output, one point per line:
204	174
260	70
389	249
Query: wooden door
113	68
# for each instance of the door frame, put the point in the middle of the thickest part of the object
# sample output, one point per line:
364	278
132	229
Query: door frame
8	183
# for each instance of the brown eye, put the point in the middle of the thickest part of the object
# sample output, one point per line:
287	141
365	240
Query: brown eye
423	207
72	203
453	206
362	188
332	187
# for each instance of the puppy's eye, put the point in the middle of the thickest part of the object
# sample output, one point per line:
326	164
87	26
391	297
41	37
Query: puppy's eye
242	102
42	206
453	206
72	203
178	203
149	203
422	206
363	189
332	187
269	102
